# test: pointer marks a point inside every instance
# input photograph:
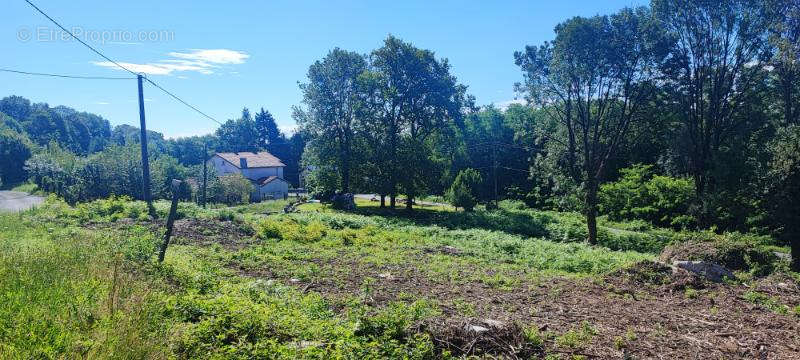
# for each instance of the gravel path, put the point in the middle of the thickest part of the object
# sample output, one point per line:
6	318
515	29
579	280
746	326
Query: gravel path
18	201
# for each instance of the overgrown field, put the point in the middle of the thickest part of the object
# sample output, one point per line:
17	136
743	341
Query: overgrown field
248	282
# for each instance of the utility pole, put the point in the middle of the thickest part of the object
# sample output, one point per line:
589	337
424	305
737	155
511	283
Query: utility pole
145	159
205	171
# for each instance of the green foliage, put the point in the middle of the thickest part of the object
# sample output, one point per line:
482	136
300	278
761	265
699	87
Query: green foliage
640	194
770	303
114	171
784	189
15	149
463	192
289	229
577	338
231	189
238	135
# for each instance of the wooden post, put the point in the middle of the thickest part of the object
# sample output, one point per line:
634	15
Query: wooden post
170	219
145	159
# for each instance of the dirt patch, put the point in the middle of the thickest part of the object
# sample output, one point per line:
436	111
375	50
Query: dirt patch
644	312
203	232
229	234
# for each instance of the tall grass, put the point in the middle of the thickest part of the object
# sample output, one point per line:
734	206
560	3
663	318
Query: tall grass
64	294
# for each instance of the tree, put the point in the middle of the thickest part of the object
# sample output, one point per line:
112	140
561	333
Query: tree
331	97
238	135
269	136
417	97
784	35
15	149
784	189
231	189
595	78
716	62
463	192
17	107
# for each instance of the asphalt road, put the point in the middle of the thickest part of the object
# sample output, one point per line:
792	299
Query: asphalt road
18	201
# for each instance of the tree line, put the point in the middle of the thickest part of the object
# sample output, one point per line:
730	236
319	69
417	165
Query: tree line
80	156
682	113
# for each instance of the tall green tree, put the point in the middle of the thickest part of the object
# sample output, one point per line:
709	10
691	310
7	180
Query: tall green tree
331	96
418	98
784	189
238	135
15	149
595	78
269	136
784	36
716	63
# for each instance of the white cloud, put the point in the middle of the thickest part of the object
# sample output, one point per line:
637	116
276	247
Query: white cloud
503	105
102	103
214	56
197	60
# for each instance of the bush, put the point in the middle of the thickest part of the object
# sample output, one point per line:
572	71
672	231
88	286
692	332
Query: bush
639	194
464	189
15	149
231	189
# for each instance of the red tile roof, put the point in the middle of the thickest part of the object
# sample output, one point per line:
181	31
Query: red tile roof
259	159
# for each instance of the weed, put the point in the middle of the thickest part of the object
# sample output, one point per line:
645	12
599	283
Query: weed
577	338
690	293
768	302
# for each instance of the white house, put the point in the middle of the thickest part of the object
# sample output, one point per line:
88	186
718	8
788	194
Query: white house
263	169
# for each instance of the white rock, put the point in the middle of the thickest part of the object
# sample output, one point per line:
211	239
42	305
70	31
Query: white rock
477	329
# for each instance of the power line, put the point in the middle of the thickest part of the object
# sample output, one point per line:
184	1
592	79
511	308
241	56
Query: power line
181	100
67	76
118	64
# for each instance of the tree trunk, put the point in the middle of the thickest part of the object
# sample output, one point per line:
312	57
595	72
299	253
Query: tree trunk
409	203
392	200
383	201
591	210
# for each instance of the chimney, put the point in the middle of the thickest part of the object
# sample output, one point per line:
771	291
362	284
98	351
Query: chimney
243	163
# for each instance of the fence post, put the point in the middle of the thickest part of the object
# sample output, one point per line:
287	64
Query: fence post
170	219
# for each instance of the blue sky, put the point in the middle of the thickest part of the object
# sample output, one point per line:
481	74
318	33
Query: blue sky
224	55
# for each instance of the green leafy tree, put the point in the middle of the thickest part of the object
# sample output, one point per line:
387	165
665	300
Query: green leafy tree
463	192
594	79
784	36
231	189
15	150
418	98
714	66
269	136
238	135
331	96
784	189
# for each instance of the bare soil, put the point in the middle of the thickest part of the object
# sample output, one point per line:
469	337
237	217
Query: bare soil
644	312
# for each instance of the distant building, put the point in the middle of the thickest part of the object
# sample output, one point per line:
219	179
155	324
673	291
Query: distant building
263	169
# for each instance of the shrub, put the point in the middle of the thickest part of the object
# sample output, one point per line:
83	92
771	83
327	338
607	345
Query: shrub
231	189
639	194
15	149
462	192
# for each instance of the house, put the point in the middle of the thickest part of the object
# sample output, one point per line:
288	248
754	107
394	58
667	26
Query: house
263	169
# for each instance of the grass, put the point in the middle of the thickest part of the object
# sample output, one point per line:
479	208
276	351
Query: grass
72	291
